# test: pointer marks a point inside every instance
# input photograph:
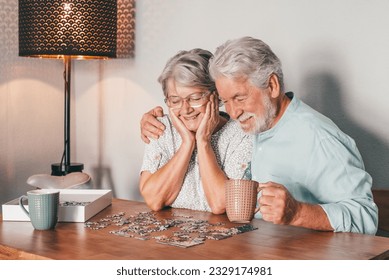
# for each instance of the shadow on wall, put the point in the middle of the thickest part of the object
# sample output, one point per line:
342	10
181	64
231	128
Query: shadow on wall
324	93
118	174
102	178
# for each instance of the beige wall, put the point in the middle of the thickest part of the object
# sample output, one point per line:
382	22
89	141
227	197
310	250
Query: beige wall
334	55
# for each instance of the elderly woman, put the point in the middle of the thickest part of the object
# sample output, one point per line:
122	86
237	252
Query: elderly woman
187	166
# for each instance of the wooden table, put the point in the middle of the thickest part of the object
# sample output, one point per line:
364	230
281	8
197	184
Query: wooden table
73	241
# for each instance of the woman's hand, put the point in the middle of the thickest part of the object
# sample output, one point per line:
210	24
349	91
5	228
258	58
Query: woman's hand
210	120
186	135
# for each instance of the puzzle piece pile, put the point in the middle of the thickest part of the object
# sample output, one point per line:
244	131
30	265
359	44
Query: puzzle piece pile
187	231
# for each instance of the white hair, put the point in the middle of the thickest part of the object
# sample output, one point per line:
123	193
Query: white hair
246	57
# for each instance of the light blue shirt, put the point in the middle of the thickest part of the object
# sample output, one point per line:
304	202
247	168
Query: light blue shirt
319	164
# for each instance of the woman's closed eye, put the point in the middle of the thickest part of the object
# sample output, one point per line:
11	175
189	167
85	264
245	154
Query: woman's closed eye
195	98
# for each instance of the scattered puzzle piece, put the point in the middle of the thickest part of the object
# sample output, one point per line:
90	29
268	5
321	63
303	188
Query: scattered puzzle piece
190	231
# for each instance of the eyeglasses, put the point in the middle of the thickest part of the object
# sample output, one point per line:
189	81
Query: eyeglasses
194	100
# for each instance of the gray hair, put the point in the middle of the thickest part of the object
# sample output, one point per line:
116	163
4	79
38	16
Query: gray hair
246	57
188	69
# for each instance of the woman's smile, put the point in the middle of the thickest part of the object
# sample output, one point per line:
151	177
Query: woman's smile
190	118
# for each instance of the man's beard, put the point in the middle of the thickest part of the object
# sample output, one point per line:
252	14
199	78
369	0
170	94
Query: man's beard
261	123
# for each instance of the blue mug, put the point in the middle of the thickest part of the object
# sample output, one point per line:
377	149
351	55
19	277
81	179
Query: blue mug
42	208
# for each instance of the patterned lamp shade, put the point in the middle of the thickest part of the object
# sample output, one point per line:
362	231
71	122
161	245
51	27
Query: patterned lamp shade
78	29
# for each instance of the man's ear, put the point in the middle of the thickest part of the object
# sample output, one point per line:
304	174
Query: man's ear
274	86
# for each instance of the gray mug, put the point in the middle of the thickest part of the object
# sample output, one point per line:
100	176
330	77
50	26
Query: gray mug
42	208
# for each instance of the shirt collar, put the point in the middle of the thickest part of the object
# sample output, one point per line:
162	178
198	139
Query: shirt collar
284	118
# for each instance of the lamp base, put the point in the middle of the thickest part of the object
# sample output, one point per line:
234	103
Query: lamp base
60	170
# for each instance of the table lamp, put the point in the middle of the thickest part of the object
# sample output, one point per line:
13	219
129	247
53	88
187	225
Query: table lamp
67	30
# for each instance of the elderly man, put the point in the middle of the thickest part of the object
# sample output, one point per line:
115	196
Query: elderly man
311	174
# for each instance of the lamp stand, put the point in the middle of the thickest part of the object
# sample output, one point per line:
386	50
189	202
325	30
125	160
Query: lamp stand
65	166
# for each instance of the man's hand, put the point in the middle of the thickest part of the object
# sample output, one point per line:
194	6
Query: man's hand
277	205
150	127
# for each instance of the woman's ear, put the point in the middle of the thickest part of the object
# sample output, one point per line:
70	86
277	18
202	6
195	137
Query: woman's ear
274	86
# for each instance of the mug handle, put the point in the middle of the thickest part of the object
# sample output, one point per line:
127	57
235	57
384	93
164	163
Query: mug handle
23	197
258	208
